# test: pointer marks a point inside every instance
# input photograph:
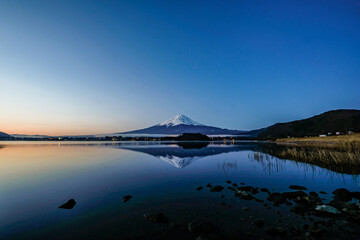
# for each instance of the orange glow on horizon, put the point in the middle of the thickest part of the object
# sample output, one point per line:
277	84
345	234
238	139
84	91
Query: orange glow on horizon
58	131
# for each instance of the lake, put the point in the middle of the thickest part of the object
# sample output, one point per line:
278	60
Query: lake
37	177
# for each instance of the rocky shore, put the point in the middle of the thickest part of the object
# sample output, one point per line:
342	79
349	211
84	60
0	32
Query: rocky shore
316	217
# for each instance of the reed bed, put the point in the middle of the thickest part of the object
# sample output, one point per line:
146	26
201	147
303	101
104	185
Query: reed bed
337	153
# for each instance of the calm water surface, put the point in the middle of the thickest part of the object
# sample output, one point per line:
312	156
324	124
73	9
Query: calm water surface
35	178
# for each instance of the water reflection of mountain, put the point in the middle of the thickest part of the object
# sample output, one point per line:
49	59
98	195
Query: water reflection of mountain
183	154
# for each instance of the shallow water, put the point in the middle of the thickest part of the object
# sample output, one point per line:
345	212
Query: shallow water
37	177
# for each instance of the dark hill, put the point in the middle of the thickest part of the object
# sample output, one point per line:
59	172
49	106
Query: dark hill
4	136
332	121
192	137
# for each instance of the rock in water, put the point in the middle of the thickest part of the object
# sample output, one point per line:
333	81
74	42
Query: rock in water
277	198
342	194
297	187
69	204
126	198
156	217
216	188
244	195
259	223
327	208
200	226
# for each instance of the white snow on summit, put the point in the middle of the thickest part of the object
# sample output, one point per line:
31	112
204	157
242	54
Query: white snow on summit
180	119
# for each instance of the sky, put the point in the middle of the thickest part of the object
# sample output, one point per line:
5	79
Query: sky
91	67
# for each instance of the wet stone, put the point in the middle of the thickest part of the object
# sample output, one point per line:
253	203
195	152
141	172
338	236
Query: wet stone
244	195
277	198
314	194
296	231
200	226
216	188
126	198
327	209
356	195
249	189
316	232
301	208
294	195
259	223
342	194
297	187
68	205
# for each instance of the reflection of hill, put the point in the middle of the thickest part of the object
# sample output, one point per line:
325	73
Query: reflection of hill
183	156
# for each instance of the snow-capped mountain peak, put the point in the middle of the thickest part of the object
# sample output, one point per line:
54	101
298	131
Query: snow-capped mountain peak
178	120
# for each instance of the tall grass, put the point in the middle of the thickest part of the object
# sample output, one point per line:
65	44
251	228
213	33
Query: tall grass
338	153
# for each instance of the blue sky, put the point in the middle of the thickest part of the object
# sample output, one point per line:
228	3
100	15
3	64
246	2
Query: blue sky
78	67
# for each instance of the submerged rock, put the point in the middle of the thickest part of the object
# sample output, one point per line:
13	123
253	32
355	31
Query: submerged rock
277	198
294	195
356	195
314	194
249	189
156	217
297	187
126	198
199	188
316	232
342	194
259	223
200	226
327	209
69	204
301	208
216	188
244	195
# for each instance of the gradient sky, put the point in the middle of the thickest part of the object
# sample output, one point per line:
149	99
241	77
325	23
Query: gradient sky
87	67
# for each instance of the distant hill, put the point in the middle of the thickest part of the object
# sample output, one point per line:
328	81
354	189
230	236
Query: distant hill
192	137
332	121
4	135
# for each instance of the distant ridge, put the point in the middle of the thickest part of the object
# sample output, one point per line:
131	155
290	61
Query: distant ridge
4	135
341	120
182	124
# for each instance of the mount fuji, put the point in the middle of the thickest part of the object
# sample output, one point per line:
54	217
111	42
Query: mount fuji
182	124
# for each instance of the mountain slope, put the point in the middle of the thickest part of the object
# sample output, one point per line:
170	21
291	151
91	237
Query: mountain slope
4	135
332	121
182	124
